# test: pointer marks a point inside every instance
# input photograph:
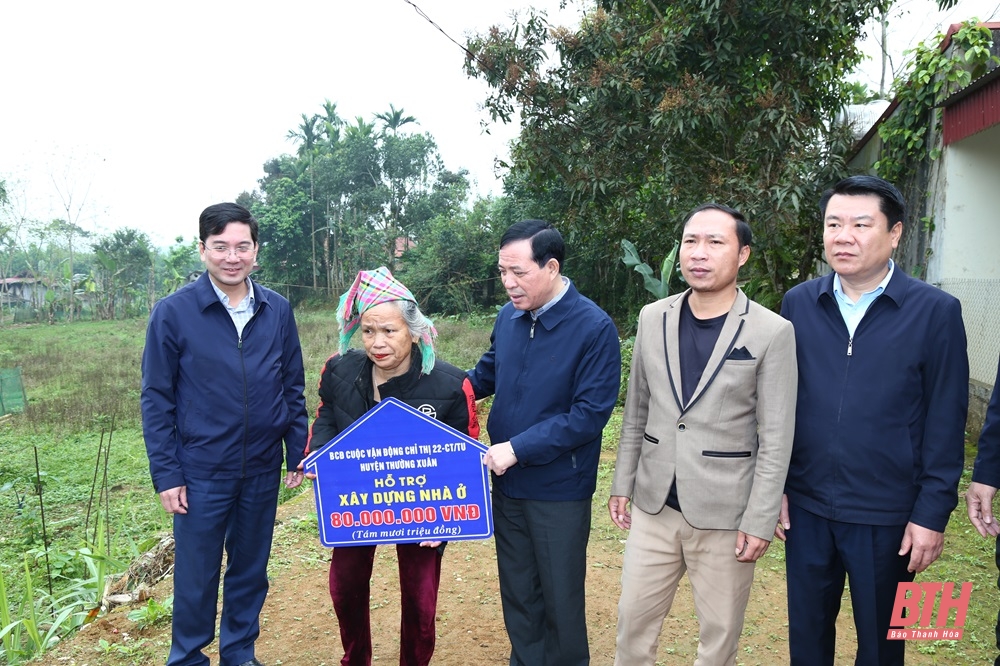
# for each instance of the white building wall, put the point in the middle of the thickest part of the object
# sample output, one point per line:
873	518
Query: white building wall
967	231
965	259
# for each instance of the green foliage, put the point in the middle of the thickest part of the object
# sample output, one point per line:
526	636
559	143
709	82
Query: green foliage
75	580
71	275
349	195
651	108
75	377
627	347
10	637
453	267
180	261
462	340
37	624
27	516
153	613
859	93
121	278
933	75
658	287
135	653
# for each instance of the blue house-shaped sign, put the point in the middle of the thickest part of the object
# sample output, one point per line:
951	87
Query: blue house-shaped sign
400	476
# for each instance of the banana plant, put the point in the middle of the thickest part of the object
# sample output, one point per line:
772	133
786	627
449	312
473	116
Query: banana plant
658	287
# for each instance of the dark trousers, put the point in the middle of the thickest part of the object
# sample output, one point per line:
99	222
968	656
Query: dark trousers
818	554
996	662
350	589
238	515
542	562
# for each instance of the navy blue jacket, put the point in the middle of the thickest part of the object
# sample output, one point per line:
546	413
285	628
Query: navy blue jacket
215	406
554	384
880	418
987	469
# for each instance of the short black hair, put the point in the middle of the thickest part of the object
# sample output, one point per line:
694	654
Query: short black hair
546	242
891	201
743	233
214	219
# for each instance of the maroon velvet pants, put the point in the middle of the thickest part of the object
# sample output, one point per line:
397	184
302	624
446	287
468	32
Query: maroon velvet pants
350	582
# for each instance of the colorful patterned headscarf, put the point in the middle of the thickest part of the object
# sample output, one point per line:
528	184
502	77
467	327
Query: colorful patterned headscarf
373	288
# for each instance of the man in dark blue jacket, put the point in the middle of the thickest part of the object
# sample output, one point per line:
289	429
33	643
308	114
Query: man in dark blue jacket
553	367
879	427
986	480
222	387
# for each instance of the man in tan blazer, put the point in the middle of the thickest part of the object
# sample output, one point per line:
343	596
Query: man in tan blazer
705	445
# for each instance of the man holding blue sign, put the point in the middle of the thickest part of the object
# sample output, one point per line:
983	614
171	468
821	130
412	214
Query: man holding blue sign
397	362
554	368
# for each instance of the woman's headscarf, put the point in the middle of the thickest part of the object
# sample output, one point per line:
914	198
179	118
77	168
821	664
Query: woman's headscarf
373	288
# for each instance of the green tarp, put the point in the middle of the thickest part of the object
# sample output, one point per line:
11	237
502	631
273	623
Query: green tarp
12	398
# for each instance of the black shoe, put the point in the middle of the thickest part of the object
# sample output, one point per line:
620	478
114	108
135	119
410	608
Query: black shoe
252	662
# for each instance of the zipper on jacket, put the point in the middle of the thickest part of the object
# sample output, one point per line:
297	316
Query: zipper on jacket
867	315
246	402
519	389
246	406
847	373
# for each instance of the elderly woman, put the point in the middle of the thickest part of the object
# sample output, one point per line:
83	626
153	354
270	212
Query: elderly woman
397	361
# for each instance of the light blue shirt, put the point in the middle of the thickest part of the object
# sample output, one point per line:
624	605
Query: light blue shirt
535	314
243	311
853	312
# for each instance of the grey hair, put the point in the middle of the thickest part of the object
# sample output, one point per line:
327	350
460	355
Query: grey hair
421	328
418	324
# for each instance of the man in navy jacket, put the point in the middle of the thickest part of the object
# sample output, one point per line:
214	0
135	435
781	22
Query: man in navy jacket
986	480
222	387
554	368
879	427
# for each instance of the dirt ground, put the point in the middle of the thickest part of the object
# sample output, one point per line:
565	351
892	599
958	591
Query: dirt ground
299	626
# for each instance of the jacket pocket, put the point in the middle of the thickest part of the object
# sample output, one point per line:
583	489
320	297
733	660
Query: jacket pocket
649	438
726	454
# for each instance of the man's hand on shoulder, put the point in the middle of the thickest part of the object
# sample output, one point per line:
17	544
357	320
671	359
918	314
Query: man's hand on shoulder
923	545
749	548
499	458
620	515
979	502
174	500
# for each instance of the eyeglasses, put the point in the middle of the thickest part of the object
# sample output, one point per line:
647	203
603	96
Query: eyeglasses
241	250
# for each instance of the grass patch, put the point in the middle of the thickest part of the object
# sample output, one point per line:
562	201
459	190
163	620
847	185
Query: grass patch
76	375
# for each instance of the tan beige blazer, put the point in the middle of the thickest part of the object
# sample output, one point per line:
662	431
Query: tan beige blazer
729	446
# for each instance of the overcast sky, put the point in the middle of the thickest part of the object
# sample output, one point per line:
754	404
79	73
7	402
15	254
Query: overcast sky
141	114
